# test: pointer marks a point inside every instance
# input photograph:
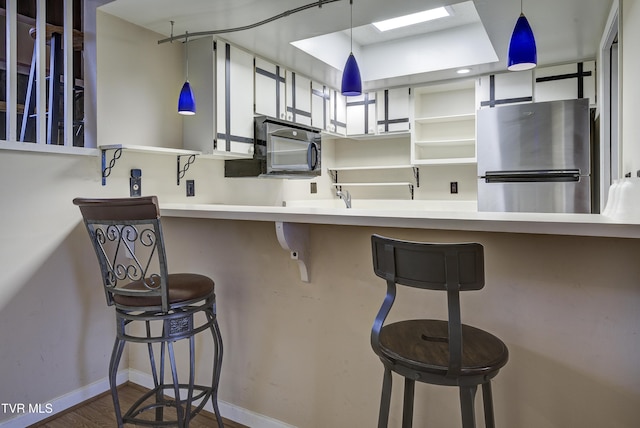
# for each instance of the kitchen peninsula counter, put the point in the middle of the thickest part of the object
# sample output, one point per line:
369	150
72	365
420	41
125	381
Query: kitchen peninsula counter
537	223
566	306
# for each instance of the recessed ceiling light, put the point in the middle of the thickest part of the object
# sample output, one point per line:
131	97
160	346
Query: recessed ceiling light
463	71
411	19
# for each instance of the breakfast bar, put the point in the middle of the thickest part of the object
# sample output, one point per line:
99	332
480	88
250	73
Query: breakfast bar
538	223
561	291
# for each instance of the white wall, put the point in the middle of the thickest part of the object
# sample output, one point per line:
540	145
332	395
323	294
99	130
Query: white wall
55	328
630	90
138	105
53	318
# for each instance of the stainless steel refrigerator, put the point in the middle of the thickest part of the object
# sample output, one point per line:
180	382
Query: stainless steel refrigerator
535	157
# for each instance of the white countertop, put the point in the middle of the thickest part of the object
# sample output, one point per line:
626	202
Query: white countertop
554	224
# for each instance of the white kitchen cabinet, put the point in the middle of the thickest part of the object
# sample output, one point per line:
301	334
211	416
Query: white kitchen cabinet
393	110
444	129
361	114
504	88
338	112
221	76
564	82
270	89
320	106
298	98
234	77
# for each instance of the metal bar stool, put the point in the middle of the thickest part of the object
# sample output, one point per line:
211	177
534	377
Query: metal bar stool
152	306
434	351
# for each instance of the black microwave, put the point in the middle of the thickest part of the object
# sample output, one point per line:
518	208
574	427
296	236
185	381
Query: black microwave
282	150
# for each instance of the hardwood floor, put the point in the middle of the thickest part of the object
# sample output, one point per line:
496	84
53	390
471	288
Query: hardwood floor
98	412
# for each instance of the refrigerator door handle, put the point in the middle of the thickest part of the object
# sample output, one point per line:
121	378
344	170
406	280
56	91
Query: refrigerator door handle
558	175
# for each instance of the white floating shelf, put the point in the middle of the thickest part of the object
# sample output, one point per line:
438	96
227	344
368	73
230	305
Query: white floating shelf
365	168
381	136
394	183
447	161
452	142
408	185
107	166
451	118
221	154
150	149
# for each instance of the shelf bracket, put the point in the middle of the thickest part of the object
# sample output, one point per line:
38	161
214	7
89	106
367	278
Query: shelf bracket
294	237
416	175
183	171
106	169
411	190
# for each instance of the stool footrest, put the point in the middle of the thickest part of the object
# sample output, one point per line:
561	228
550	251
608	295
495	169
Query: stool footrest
202	393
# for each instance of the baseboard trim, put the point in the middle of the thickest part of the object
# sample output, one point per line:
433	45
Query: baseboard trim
73	398
227	410
64	402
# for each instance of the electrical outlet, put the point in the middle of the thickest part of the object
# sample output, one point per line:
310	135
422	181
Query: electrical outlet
454	186
191	188
135	183
313	187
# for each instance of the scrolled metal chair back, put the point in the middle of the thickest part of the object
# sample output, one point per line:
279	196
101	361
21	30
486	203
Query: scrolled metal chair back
126	234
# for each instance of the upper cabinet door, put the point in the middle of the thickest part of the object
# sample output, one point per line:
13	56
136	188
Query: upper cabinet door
568	81
337	112
393	110
504	88
298	98
361	114
270	89
234	99
320	106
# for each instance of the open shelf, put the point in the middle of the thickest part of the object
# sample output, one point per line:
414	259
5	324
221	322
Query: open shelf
452	142
222	154
393	183
371	167
149	149
444	125
117	153
333	172
447	161
410	186
381	136
448	118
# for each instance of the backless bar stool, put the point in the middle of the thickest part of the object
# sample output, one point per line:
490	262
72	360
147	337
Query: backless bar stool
434	351
127	236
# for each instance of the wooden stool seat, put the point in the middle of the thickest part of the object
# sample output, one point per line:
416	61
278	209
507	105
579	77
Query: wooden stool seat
183	288
423	345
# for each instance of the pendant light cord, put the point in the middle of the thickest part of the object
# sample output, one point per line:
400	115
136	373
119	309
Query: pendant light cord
187	52
351	24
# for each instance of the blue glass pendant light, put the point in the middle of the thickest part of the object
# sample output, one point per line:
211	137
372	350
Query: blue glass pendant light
186	101
522	48
351	80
